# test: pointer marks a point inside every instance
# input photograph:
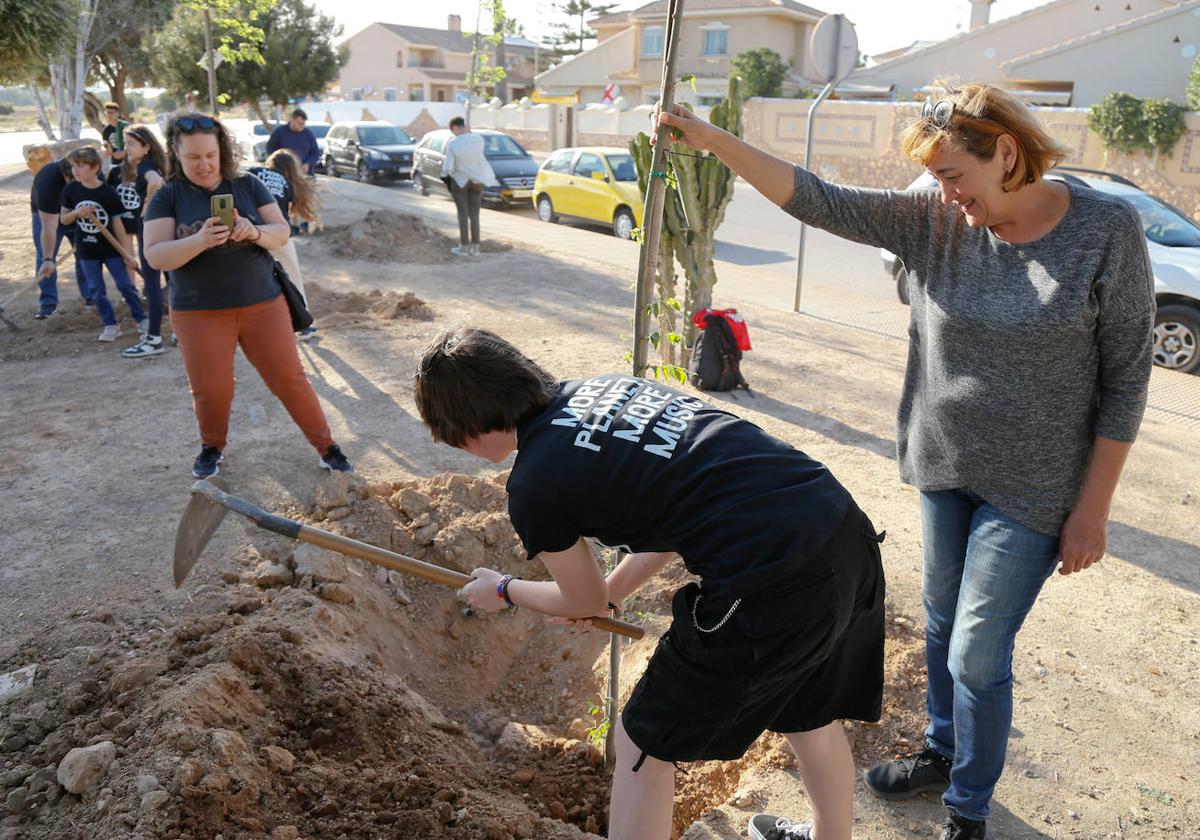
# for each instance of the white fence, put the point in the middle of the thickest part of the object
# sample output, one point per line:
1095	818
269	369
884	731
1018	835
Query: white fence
400	113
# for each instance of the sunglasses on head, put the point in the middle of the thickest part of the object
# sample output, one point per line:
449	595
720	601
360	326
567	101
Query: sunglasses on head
939	113
187	124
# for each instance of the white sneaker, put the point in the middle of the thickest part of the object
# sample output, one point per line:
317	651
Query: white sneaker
307	334
110	332
461	250
475	250
144	327
771	827
146	347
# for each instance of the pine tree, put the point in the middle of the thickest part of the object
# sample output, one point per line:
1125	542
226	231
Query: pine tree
572	34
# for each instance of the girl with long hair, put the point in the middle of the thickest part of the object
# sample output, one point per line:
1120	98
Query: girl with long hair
284	178
140	175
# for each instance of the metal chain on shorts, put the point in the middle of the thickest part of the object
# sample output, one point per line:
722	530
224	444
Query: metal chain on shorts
720	623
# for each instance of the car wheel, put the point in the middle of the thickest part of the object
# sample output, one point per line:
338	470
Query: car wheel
331	168
1177	338
623	223
900	273
419	183
364	174
545	209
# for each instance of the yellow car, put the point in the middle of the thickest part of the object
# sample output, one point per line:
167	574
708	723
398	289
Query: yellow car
593	182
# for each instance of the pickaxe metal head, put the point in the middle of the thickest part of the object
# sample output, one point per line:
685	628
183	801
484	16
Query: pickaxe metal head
200	521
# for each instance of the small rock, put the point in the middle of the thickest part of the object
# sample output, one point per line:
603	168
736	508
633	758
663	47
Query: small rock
189	772
17	800
577	729
228	747
333	490
146	783
327	808
154	799
557	810
16	683
230	577
412	503
336	593
83	767
245	606
285	832
278	759
268	574
321	565
292	637
523	776
337	514
111	719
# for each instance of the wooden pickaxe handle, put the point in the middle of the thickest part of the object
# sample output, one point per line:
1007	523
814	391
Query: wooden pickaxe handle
112	240
371	553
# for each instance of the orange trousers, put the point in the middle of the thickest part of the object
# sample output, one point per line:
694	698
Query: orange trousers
208	339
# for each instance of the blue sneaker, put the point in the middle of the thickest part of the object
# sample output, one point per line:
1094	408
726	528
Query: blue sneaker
207	462
45	311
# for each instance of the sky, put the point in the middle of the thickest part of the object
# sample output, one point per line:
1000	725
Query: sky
880	24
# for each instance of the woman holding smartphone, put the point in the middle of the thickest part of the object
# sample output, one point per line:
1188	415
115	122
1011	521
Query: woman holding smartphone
223	291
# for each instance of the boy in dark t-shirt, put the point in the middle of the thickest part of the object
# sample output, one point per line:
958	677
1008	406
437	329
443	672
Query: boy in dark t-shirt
783	632
90	204
48	235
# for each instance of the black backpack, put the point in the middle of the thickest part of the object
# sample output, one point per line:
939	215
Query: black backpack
716	359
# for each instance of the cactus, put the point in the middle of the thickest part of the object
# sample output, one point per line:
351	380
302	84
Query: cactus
692	213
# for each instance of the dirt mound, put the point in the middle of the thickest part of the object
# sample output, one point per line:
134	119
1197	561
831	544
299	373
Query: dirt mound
383	236
334	308
71	331
298	693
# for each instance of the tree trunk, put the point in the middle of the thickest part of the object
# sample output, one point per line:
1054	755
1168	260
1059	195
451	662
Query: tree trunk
258	111
43	116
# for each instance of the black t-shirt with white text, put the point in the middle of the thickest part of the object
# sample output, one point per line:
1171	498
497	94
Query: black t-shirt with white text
277	185
233	275
90	244
637	465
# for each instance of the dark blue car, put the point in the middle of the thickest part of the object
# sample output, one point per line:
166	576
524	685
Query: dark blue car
369	149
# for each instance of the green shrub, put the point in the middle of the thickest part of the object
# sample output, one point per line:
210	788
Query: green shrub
1164	124
761	70
166	103
1126	123
5	110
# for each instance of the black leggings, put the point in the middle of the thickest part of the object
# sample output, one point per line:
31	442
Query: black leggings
468	199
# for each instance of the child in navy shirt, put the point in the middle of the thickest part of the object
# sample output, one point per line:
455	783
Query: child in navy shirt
89	204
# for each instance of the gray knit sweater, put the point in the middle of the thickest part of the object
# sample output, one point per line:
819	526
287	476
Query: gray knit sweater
1018	355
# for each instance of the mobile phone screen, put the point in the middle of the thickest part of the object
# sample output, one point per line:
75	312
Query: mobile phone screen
222	208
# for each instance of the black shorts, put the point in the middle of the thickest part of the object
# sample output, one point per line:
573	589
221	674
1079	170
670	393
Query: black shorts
791	660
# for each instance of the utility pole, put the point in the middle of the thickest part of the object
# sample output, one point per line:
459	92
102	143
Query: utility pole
474	62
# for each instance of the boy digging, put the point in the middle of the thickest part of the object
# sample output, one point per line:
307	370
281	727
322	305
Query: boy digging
785	629
90	204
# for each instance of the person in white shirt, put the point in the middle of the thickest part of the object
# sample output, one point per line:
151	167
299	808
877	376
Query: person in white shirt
466	172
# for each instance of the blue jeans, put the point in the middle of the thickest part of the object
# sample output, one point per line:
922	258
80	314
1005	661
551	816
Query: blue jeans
94	271
983	571
48	288
152	285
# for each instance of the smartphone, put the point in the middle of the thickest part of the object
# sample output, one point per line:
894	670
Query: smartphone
222	208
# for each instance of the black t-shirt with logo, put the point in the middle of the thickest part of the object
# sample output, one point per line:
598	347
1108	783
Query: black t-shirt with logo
90	244
132	193
130	200
277	185
635	464
235	274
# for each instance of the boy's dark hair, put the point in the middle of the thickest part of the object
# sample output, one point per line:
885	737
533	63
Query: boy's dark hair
455	122
86	155
299	112
471	381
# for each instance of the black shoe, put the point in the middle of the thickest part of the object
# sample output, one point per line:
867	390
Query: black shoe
904	778
45	311
771	827
333	459
961	828
207	462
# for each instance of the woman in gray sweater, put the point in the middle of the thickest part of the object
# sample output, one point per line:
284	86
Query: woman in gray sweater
1028	363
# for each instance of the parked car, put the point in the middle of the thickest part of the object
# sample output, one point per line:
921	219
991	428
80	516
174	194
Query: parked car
260	134
515	168
369	149
594	182
1173	240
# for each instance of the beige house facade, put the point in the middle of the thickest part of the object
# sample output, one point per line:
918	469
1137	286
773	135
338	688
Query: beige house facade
392	62
627	60
1063	53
